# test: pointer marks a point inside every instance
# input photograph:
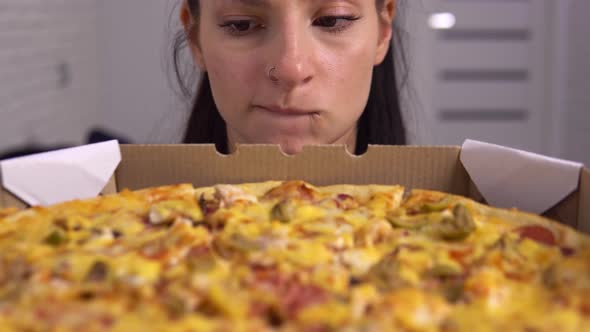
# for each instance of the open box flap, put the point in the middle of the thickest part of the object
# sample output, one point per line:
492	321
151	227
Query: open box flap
510	178
63	175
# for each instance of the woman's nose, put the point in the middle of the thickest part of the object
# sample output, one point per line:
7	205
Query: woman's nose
293	52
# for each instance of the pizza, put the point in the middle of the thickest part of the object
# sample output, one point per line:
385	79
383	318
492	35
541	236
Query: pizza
289	256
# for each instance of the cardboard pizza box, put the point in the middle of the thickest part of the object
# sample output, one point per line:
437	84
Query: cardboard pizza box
487	173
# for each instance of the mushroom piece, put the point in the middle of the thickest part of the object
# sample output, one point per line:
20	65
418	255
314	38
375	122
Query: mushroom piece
283	211
459	226
386	274
449	225
98	272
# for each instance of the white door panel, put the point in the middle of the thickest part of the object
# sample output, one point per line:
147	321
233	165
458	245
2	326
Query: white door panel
487	77
477	54
512	134
487	13
499	95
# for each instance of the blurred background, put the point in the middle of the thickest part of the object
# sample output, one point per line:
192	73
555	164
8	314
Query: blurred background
511	72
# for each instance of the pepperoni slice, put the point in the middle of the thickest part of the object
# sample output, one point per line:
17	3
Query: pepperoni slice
293	294
537	233
567	251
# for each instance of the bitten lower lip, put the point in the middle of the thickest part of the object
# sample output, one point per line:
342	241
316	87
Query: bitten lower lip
286	111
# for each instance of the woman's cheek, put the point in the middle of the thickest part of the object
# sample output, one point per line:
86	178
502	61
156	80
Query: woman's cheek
351	63
230	69
351	79
232	80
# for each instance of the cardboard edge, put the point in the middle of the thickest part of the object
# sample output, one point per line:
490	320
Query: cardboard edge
111	186
7	199
474	193
584	202
566	211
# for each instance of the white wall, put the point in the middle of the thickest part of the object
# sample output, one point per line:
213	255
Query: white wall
48	71
136	98
577	123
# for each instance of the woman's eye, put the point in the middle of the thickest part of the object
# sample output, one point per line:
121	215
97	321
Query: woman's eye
335	23
327	21
239	27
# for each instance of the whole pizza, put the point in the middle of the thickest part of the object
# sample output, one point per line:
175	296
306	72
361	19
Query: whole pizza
289	256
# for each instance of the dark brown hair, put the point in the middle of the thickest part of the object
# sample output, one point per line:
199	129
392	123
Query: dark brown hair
381	122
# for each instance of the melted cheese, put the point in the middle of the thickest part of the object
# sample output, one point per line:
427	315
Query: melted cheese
151	259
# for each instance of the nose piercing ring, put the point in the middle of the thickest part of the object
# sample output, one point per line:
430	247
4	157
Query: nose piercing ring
271	76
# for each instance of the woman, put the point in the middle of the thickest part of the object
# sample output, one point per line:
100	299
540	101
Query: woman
292	73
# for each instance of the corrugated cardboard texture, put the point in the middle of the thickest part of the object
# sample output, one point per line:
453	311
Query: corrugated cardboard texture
435	168
584	202
566	211
9	200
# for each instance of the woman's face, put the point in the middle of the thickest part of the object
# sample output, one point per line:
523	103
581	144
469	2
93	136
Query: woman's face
294	72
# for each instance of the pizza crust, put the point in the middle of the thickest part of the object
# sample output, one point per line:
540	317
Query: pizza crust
511	218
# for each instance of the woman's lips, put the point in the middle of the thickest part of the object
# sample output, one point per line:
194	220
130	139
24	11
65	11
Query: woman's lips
293	112
284	122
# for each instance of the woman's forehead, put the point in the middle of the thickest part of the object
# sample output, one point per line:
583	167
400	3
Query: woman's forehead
267	3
